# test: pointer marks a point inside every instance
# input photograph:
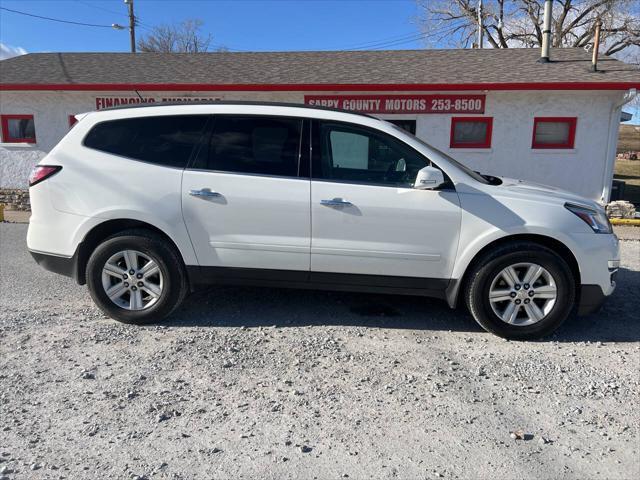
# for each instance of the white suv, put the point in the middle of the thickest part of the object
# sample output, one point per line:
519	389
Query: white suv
144	203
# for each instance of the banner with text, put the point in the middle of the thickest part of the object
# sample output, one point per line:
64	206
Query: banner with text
400	103
108	102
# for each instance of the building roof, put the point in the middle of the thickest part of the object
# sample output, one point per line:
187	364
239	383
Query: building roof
331	70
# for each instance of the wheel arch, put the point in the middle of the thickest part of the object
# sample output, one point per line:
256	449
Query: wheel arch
551	243
106	229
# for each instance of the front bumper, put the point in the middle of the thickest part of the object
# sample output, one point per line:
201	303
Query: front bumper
598	257
591	299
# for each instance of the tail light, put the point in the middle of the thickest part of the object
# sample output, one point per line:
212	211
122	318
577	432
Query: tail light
42	172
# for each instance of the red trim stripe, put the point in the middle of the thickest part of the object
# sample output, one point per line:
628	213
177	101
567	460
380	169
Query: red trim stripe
319	87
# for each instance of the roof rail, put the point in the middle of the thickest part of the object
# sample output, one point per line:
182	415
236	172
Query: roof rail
234	102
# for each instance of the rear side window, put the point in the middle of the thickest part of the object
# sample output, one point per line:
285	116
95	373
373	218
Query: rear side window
166	140
258	145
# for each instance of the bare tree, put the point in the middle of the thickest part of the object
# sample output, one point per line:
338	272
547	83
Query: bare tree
518	23
184	37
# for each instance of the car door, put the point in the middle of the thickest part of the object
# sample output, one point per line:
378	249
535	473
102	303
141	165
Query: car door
244	203
367	219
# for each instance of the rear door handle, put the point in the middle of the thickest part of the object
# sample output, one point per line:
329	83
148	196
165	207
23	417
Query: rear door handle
204	193
336	202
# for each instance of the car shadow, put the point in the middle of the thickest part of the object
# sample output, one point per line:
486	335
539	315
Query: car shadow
617	321
256	307
262	307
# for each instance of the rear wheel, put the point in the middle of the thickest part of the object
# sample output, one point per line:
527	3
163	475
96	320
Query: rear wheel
521	291
136	277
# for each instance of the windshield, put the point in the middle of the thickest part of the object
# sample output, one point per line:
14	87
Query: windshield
475	175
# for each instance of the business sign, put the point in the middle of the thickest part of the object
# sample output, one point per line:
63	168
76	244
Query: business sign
108	102
400	103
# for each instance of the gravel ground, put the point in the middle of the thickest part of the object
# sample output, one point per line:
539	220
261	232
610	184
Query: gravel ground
265	383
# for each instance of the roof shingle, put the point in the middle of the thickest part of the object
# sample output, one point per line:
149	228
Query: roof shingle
402	67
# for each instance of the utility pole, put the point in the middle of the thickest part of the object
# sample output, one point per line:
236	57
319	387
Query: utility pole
132	25
480	32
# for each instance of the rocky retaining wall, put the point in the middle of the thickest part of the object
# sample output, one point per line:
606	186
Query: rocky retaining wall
15	199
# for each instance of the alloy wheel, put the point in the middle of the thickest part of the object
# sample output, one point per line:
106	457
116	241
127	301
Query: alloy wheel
523	294
132	280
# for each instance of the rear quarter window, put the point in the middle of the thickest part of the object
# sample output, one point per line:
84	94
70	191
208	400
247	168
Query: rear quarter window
162	140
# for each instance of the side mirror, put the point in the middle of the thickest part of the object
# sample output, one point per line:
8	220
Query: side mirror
429	178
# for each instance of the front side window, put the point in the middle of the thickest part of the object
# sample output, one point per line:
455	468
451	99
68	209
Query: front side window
350	153
554	132
475	175
471	132
162	140
18	129
259	145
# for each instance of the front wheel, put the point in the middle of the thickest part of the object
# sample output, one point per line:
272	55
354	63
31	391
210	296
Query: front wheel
136	277
521	291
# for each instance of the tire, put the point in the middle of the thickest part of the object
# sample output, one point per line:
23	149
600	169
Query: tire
156	296
494	274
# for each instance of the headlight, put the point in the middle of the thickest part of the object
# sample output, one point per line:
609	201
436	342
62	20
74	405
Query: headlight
596	219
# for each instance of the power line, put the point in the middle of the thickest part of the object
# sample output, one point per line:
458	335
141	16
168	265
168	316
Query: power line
224	47
89	4
138	22
56	19
376	42
380	45
372	45
444	30
146	26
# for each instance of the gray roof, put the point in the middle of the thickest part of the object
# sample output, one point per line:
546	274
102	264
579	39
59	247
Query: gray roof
490	66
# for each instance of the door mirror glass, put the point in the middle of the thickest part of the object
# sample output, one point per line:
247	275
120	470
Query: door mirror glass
429	178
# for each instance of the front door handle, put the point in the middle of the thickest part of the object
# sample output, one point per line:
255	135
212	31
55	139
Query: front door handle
336	202
204	193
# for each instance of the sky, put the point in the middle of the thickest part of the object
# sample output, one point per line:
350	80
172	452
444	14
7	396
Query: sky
258	25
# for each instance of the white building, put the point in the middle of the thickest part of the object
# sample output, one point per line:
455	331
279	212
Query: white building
499	111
